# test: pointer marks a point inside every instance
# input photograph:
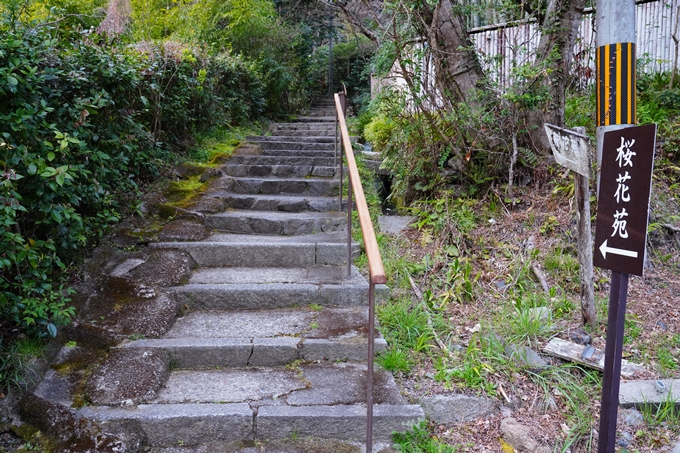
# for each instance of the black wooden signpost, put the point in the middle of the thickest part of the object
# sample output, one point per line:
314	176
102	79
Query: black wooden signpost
620	239
623	201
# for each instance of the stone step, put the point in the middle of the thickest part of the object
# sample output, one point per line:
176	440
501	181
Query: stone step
321	112
277	223
315	187
329	133
314	119
261	338
223	296
284	203
296	126
286	157
295	145
281	171
247	404
302	138
220	250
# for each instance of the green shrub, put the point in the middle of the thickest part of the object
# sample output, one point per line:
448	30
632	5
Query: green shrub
81	125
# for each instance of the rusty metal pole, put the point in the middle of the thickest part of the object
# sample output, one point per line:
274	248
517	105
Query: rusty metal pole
369	375
349	225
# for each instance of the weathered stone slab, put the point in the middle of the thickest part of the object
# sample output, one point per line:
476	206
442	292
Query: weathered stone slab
242	324
335	422
355	349
255	254
128	376
642	392
268	352
229	386
168	424
200	352
393	224
457	408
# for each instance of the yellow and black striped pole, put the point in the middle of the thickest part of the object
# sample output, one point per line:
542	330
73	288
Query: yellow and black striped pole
615	70
616	84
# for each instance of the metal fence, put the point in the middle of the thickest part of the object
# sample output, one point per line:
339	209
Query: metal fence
503	48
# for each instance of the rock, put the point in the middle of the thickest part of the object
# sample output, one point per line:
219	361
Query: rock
527	357
662	325
128	376
631	417
146	317
183	230
624	439
540	314
457	408
676	449
165	268
393	224
75	434
579	336
519	437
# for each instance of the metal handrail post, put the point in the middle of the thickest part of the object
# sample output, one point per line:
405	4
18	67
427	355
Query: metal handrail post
369	377
341	175
349	226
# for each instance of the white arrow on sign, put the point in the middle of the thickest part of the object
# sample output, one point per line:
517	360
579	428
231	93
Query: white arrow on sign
604	249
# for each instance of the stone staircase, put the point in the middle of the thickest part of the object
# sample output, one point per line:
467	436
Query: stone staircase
269	342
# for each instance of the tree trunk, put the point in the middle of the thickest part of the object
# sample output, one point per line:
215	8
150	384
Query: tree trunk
555	50
457	69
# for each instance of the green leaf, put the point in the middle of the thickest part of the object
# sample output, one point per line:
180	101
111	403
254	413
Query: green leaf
50	156
56	215
32	169
52	330
12	80
60	179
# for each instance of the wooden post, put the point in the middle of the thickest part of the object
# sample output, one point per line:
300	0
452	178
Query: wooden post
585	245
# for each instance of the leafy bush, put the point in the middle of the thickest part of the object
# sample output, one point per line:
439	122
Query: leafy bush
81	125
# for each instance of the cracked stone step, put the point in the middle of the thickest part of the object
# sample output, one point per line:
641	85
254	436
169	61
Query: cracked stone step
294	186
280	171
328	133
300	157
220	250
166	425
277	222
285	203
253	296
315	119
303	138
303	126
237	404
204	339
295	145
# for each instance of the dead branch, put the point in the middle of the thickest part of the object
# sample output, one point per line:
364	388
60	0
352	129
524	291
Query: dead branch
538	272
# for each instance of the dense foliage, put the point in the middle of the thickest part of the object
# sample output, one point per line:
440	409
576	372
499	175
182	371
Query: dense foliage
82	122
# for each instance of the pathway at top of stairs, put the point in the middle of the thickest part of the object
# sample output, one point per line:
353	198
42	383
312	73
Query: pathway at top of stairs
245	327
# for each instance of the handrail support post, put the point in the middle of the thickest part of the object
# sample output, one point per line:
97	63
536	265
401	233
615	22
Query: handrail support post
349	226
369	376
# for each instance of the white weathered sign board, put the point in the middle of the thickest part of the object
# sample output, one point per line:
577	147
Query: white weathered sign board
571	149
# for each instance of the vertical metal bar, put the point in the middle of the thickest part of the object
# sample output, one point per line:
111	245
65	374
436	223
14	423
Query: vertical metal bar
369	374
612	363
341	170
349	225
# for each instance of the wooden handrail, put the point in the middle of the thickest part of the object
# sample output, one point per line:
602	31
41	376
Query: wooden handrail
375	265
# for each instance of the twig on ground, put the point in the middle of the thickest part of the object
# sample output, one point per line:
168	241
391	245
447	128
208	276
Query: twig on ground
538	272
